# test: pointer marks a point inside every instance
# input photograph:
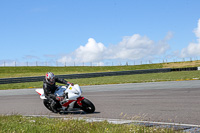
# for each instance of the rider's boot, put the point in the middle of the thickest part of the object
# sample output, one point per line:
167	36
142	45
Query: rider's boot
53	106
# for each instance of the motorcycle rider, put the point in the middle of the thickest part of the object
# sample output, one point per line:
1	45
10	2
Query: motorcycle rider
49	87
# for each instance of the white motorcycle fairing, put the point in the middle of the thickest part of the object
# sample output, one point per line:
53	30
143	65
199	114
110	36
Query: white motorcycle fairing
72	98
73	94
73	91
41	93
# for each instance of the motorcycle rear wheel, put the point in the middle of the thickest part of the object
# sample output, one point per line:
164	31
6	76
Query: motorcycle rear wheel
47	104
87	106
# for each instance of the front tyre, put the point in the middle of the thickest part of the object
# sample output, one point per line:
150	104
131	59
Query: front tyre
87	106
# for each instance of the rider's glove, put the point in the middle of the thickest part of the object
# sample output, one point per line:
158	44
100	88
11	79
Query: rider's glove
59	98
70	83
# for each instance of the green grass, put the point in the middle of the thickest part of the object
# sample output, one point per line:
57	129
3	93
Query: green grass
20	124
7	72
137	78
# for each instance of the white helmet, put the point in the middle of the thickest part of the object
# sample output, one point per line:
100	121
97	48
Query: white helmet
50	78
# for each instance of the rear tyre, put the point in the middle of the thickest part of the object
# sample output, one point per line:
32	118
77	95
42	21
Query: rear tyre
87	106
47	104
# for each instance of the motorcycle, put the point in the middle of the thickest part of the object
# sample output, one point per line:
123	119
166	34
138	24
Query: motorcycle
72	101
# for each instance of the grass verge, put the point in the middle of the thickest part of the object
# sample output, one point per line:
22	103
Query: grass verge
9	72
137	78
17	123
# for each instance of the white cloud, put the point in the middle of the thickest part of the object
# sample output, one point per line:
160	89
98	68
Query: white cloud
92	51
197	30
133	47
137	47
66	59
193	49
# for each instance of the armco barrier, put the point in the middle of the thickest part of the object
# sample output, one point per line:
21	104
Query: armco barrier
90	75
185	69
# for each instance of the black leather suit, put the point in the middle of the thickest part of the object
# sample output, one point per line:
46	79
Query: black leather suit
50	89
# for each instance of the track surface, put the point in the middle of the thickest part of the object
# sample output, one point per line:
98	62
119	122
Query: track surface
177	102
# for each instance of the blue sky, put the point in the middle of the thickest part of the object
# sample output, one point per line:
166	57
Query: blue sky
100	31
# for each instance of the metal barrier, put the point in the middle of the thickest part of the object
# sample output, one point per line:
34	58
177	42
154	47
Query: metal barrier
90	75
185	69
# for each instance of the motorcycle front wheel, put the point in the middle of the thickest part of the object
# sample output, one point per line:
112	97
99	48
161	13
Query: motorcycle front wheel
87	106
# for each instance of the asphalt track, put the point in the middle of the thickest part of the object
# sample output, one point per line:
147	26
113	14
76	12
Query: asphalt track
174	102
